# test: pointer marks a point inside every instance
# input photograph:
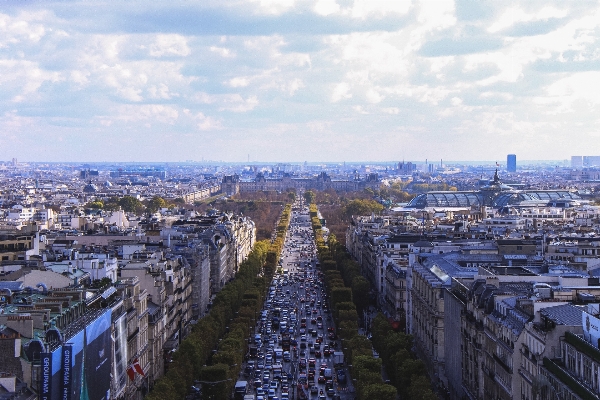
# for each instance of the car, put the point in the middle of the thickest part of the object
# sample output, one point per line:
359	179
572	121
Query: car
260	391
341	376
272	393
330	391
321	379
273	385
318	354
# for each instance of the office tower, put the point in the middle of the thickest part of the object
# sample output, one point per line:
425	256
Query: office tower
591	161
511	163
576	162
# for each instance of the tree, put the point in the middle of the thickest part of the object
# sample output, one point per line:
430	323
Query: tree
380	391
362	207
341	294
309	196
131	204
97	204
155	204
360	292
420	389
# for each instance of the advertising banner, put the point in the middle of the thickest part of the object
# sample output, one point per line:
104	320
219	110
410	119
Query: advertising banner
46	381
97	359
67	371
120	356
50	382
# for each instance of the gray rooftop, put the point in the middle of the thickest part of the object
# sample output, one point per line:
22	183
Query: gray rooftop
565	314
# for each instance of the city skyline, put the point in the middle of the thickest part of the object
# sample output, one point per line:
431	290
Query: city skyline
295	81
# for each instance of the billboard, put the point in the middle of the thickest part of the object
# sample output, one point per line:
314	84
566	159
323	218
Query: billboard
50	382
120	356
97	359
591	328
67	368
73	357
81	367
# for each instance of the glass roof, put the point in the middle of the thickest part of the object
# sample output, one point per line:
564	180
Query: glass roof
470	199
446	199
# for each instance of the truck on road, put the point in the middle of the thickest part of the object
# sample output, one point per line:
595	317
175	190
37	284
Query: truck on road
241	389
338	358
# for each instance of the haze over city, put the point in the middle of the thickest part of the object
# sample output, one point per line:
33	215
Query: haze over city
285	80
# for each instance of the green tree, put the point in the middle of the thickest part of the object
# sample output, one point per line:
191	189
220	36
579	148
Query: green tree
420	389
360	292
309	196
112	204
380	391
341	294
97	204
214	379
131	204
155	204
362	207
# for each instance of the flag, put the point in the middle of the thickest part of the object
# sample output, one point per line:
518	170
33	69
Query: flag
138	367
131	372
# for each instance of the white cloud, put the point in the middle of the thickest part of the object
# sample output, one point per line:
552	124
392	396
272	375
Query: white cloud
517	15
377	73
360	110
368	8
340	92
26	27
391	110
149	112
237	103
238	82
205	123
222	51
326	7
21	79
169	45
274	7
573	93
294	86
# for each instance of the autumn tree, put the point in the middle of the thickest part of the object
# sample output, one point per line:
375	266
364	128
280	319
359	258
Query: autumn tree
362	207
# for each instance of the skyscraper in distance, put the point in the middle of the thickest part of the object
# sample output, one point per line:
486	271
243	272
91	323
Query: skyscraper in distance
576	162
511	163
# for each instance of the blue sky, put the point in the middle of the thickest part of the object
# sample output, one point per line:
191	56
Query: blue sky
299	80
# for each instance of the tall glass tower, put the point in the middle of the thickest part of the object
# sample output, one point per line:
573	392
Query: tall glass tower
511	163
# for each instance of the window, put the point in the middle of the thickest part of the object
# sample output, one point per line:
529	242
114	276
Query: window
587	370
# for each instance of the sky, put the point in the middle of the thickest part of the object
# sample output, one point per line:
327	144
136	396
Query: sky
298	80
